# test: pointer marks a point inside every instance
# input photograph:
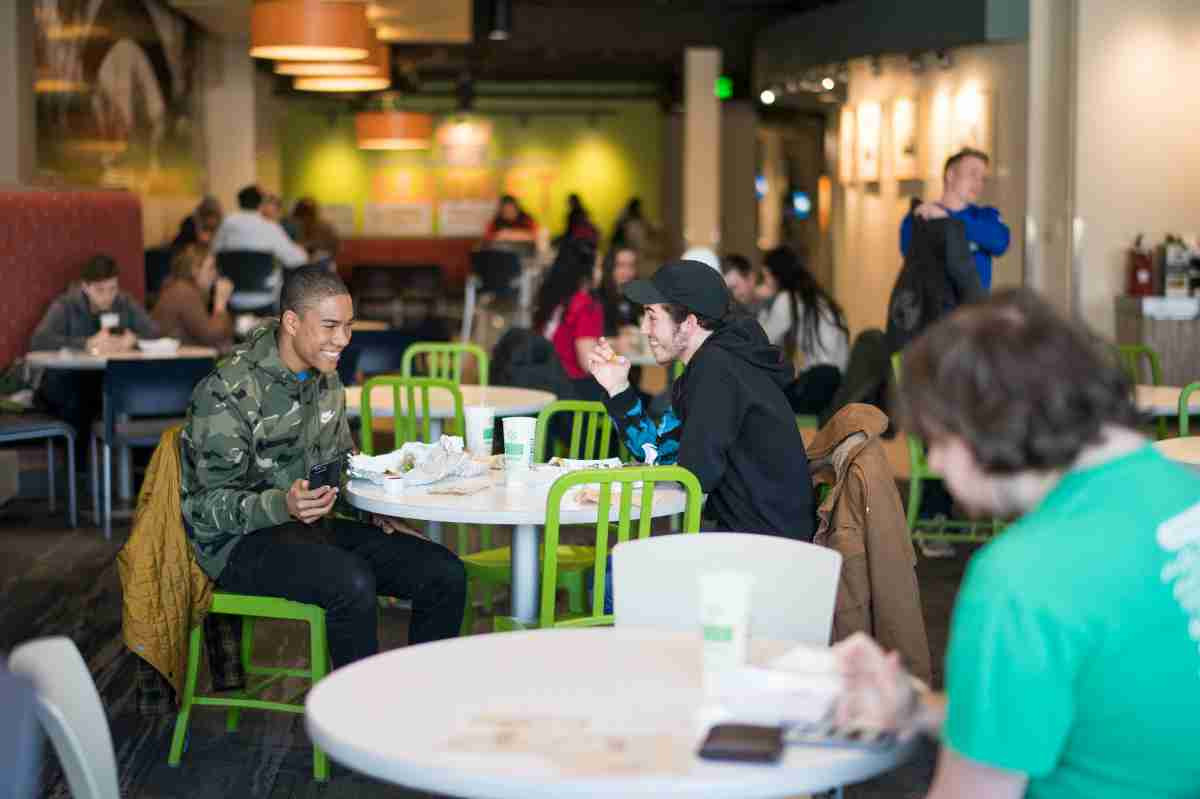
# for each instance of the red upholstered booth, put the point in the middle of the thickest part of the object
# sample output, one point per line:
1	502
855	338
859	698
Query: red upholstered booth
453	255
45	237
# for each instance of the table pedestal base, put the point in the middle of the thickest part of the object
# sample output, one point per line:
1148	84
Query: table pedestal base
526	573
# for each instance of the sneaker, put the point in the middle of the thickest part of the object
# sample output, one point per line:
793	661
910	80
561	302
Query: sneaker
936	549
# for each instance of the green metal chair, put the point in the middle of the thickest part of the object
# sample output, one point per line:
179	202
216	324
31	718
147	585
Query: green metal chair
1132	358
445	360
411	422
627	478
1184	397
919	471
489	568
251	608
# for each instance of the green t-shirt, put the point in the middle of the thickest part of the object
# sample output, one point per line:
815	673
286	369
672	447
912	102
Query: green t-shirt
1073	651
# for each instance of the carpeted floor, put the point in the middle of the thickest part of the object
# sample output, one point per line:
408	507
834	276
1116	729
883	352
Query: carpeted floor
57	581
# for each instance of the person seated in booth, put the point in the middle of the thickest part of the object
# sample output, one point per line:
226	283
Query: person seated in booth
182	307
200	226
729	422
962	184
798	315
97	317
248	229
255	428
511	223
1072	669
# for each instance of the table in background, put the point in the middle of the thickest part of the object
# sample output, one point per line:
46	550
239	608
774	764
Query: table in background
507	400
1182	450
81	361
521	505
405	716
1163	400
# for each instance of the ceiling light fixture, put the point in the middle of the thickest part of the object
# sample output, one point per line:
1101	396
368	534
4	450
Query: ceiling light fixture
501	20
828	84
377	65
767	97
333	83
393	130
309	30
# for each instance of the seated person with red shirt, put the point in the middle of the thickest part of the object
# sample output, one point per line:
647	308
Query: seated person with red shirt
511	223
568	313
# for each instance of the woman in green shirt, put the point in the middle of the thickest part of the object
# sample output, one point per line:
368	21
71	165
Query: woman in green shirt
1072	669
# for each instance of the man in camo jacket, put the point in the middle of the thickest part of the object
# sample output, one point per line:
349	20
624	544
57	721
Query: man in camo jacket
255	428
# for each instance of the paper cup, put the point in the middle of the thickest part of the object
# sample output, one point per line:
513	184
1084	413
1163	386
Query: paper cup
724	622
110	319
518	444
481	424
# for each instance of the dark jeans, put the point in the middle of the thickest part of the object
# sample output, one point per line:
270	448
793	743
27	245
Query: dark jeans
341	565
813	389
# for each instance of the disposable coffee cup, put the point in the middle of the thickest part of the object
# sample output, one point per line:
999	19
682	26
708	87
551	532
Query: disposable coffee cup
724	622
481	425
110	320
518	444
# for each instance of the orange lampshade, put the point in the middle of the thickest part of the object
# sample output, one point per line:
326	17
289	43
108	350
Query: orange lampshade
309	30
378	64
393	130
334	83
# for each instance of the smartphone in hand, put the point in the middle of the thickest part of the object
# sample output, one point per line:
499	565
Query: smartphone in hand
326	474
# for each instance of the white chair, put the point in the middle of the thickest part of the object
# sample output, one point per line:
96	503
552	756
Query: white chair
70	711
795	584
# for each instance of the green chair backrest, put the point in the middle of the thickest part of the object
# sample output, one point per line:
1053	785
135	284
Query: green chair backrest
606	478
445	361
412	422
917	464
1184	397
589	445
677	369
1131	357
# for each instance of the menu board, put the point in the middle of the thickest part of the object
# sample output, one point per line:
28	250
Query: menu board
464	218
398	219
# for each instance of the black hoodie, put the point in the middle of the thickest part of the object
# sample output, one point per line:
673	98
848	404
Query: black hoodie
737	433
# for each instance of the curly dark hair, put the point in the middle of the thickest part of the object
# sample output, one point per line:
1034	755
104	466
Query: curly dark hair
1025	388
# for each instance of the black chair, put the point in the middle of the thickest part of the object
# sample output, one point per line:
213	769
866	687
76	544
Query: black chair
142	398
255	280
31	426
158	266
374	352
498	271
387	291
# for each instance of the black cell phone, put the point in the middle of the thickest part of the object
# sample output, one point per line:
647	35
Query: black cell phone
117	330
326	474
744	743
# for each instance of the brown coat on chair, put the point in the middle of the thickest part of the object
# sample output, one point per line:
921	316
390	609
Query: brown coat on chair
863	519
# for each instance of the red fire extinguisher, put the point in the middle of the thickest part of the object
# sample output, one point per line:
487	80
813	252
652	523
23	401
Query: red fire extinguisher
1140	282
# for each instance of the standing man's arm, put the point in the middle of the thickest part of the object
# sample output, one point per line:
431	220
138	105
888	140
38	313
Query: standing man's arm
987	230
286	250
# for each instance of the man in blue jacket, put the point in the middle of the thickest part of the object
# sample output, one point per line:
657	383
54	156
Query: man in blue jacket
962	184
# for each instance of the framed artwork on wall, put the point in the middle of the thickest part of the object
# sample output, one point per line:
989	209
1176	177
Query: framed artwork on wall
846	154
870	118
972	120
905	150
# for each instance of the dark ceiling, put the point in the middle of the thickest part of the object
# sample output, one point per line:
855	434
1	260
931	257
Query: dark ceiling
590	40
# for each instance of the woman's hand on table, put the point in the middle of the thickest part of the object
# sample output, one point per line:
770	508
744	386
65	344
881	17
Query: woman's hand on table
390	525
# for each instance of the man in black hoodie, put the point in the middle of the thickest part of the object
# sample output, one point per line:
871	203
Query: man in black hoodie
730	423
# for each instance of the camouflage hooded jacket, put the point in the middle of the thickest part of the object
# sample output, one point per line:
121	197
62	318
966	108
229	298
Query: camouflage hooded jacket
254	427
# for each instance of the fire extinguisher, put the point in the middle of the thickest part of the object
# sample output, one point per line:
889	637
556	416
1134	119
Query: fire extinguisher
1140	282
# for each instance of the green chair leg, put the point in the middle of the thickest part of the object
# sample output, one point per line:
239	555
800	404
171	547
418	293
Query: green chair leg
573	582
189	693
318	660
914	501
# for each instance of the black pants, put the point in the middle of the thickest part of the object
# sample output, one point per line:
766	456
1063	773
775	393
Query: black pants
813	389
341	565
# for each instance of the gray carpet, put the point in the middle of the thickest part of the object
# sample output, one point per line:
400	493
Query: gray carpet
57	581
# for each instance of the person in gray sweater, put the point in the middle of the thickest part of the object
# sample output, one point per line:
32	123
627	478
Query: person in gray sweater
93	316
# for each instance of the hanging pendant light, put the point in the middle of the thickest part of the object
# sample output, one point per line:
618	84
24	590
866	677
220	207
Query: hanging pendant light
377	65
342	83
309	30
393	130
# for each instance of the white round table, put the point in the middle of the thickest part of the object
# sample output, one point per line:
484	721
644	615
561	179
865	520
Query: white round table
522	505
1184	450
554	713
1163	400
80	360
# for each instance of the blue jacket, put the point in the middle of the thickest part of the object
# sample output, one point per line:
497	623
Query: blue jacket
986	234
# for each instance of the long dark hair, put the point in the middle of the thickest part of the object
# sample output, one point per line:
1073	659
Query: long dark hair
609	293
499	222
802	290
572	266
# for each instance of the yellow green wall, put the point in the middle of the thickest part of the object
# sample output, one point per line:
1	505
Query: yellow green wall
606	158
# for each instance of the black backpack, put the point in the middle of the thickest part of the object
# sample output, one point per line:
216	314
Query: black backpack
526	359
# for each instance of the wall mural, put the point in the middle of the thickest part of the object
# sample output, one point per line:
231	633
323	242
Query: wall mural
114	96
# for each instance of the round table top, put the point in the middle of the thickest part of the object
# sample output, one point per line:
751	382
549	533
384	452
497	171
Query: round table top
1163	400
1184	450
507	400
561	713
81	360
502	503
